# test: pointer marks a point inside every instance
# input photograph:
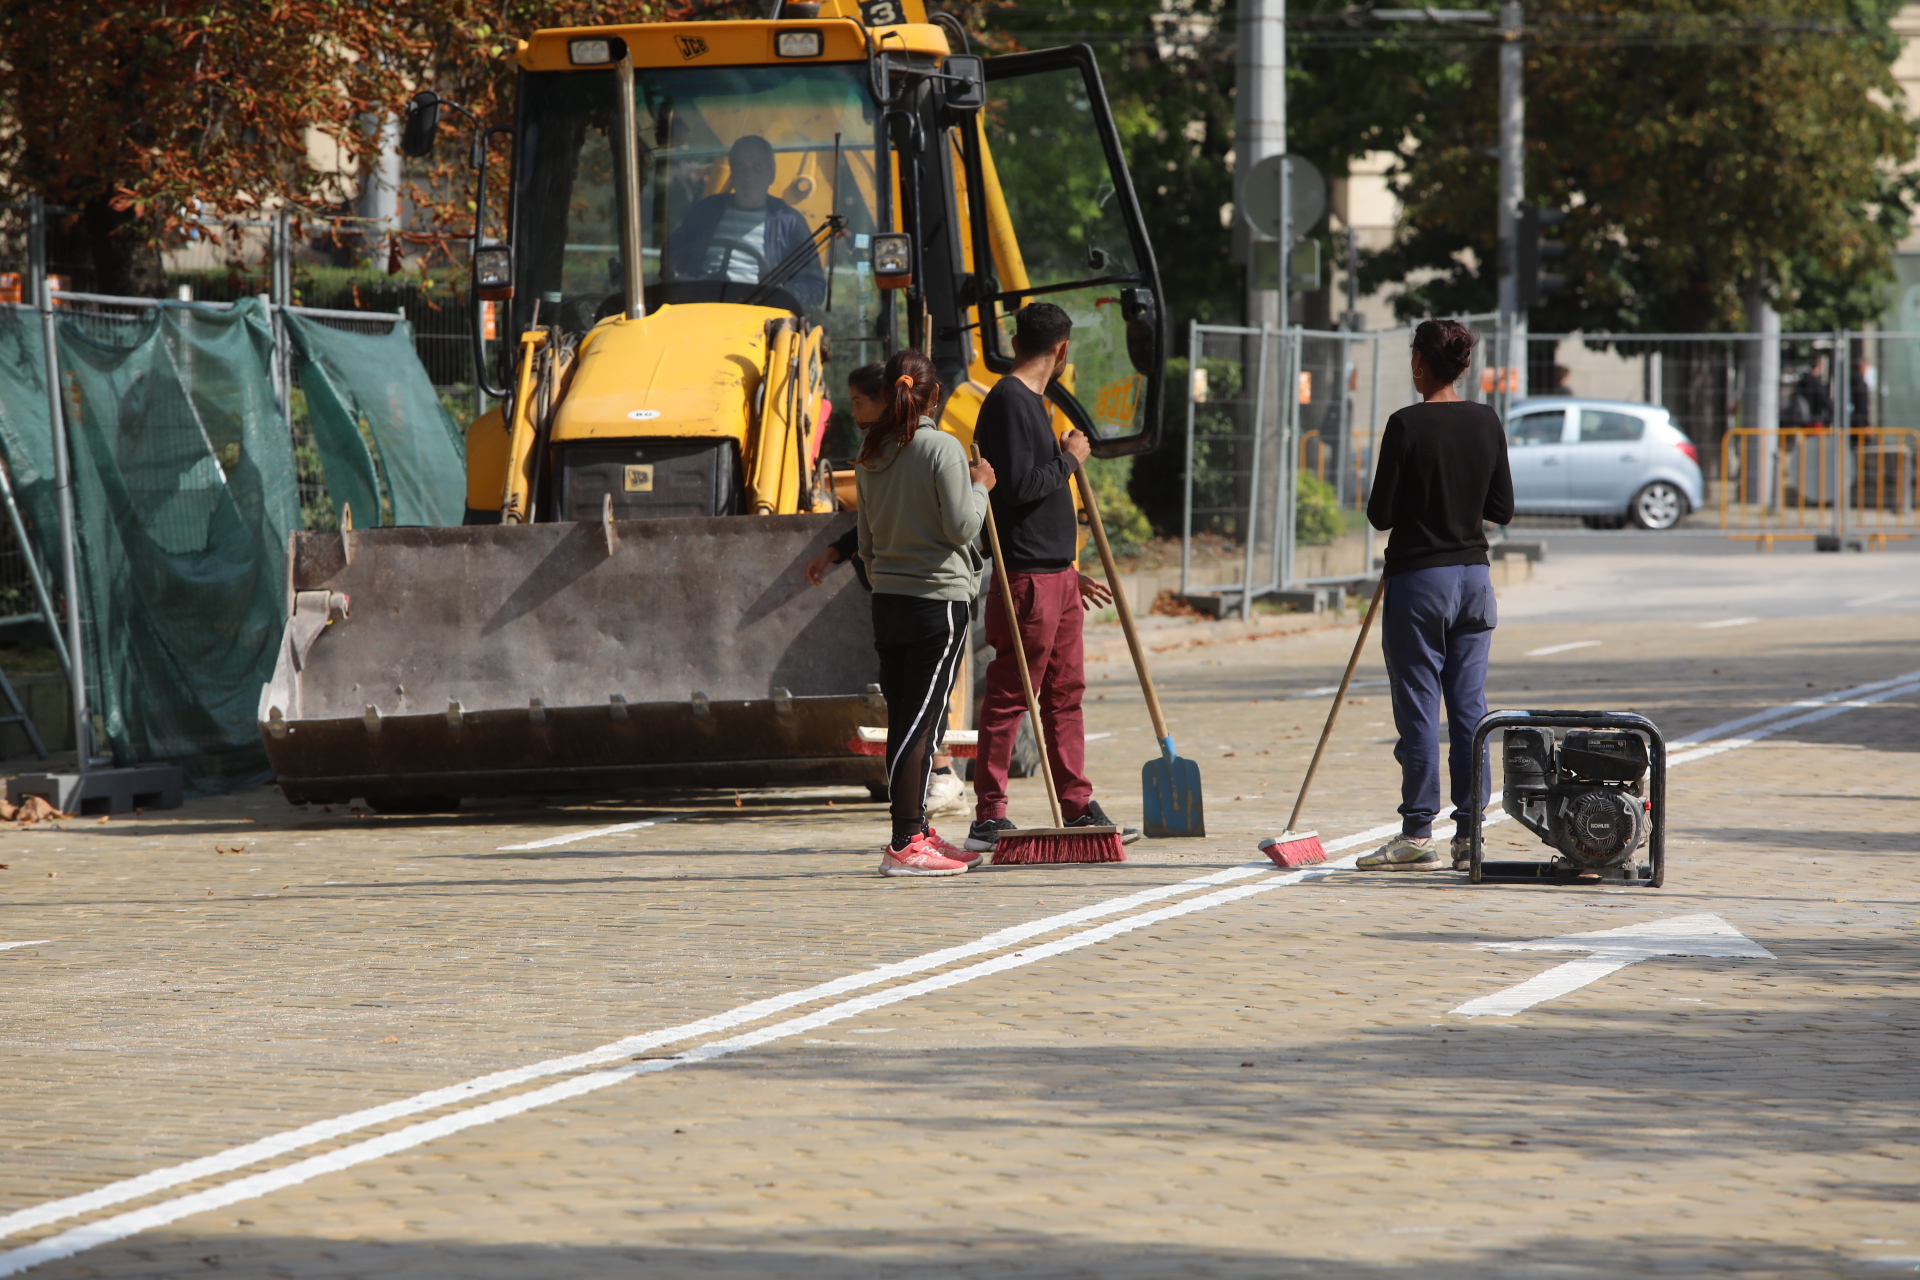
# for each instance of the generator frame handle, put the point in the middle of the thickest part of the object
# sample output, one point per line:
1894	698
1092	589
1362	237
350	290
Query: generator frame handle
1656	768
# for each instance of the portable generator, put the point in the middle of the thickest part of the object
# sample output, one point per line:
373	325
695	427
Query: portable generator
1596	793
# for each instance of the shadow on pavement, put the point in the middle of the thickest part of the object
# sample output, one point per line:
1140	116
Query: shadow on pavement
982	1253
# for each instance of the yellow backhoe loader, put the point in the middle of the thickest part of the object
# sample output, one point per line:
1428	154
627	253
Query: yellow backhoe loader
710	225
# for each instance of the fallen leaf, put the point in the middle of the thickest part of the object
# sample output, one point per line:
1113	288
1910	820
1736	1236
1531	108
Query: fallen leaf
102	818
391	1040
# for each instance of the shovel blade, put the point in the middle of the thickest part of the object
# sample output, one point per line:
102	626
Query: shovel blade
1172	805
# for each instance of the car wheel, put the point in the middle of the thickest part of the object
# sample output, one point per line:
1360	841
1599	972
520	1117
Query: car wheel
1658	505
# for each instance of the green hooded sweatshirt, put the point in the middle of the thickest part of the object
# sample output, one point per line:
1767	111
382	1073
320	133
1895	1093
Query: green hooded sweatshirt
920	515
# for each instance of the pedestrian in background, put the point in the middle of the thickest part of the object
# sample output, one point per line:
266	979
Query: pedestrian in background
921	507
1442	476
866	403
1039	535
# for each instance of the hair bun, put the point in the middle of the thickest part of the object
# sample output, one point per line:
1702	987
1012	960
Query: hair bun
1446	347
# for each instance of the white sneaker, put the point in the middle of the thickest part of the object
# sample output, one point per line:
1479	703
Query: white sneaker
946	794
1402	853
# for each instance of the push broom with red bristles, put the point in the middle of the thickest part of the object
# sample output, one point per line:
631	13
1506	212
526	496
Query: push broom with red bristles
1293	848
1060	843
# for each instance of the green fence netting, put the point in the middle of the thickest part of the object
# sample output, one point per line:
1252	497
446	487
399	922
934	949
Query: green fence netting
186	492
25	436
371	389
184	498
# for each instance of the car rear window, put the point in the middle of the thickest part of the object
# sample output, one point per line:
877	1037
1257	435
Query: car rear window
1537	428
1603	426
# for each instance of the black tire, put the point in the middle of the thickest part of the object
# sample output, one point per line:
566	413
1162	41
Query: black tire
1658	505
400	806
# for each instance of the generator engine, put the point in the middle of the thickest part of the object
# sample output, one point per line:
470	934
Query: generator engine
1584	794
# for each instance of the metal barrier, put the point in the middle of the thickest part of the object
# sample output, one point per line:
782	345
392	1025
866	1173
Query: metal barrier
1266	406
1801	483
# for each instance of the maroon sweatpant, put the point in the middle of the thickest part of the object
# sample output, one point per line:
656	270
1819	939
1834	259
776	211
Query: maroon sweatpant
1051	616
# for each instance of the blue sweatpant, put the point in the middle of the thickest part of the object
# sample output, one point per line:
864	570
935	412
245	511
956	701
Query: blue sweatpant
1436	629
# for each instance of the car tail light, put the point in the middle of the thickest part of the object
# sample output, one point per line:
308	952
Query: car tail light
1693	454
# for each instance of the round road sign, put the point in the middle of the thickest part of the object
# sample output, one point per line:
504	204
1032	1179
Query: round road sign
1260	195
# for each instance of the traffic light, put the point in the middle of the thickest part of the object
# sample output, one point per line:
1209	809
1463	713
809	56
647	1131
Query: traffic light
1535	250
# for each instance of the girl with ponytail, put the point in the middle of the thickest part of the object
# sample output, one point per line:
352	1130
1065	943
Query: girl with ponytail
920	511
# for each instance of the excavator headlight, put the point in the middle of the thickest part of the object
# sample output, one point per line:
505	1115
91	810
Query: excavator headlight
589	53
493	272
798	44
893	260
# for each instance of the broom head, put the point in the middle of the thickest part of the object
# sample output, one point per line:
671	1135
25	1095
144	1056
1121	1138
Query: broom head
1051	846
1294	848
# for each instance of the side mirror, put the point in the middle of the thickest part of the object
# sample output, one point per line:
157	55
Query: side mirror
893	260
966	82
493	272
423	123
1143	327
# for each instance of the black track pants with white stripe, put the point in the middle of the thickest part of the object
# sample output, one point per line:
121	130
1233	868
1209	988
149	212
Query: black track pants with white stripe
920	643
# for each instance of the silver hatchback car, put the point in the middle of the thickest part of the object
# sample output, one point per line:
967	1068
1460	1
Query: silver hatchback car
1609	461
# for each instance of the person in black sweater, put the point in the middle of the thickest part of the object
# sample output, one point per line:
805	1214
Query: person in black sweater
1441	477
1039	534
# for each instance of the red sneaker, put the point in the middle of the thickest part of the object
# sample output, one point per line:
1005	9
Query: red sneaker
918	859
954	851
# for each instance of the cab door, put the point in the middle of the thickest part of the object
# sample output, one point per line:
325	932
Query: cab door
1059	223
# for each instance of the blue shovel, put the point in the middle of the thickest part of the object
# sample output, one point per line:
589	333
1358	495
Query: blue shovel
1170	786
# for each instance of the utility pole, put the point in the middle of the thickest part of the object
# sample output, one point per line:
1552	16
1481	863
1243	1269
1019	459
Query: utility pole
1513	124
1260	130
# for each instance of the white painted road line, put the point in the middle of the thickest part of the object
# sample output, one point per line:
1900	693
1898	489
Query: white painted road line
1790	708
37	942
1563	648
325	1130
554	842
1700	934
1812	717
1879	598
266	1148
1726	622
1328	690
119	1227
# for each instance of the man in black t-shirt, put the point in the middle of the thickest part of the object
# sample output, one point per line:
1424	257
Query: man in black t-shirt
1039	534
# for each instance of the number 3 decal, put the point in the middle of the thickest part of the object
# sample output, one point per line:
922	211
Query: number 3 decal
881	13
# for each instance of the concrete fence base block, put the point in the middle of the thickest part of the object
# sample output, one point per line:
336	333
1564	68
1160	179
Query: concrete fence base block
148	786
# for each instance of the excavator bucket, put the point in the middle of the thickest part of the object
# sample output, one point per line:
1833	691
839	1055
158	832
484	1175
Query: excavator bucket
422	665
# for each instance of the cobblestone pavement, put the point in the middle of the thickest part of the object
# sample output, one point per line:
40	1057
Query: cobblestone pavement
1257	1076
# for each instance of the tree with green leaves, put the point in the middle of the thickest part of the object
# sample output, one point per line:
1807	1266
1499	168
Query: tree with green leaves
1698	145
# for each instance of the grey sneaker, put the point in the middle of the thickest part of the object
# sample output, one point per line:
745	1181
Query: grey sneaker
1095	816
1402	853
1462	854
982	835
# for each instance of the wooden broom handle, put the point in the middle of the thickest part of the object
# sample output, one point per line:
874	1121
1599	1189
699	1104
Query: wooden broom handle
1338	698
1020	653
1119	599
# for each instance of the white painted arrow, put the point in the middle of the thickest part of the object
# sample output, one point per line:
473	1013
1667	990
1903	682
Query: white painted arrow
1613	949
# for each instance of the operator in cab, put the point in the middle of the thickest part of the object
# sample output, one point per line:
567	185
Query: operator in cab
744	233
